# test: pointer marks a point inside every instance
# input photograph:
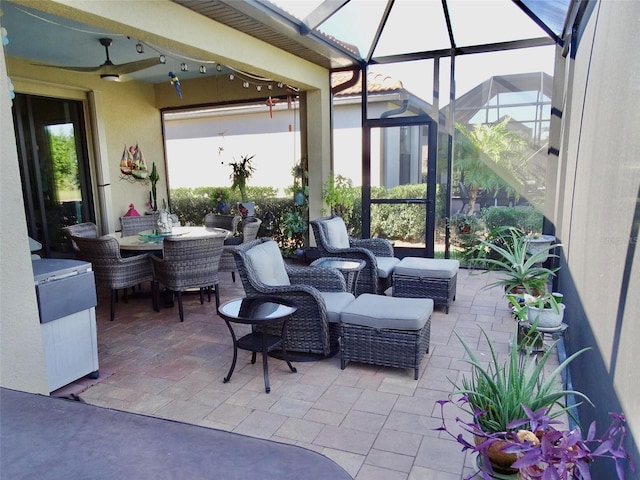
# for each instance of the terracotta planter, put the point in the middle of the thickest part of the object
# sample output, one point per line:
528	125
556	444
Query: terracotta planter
500	461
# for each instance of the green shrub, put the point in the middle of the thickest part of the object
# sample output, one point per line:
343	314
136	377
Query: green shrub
191	205
527	219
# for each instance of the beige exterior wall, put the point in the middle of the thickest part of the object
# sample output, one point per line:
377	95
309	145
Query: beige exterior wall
123	114
22	364
599	186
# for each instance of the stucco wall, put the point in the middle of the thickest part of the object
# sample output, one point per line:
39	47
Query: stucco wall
126	116
600	273
22	364
123	114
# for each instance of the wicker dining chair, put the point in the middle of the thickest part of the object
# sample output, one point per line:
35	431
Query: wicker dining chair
134	225
228	222
188	263
111	270
250	227
318	292
86	230
333	240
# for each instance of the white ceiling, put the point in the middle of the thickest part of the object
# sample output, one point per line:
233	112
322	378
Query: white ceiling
44	38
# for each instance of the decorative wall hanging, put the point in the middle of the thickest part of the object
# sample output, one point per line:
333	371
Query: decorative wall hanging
133	166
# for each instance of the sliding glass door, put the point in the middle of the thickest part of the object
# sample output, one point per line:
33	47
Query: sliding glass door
54	168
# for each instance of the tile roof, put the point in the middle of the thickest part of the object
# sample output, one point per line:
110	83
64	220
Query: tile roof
376	83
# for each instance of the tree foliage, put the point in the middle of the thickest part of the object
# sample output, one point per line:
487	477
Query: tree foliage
65	161
489	156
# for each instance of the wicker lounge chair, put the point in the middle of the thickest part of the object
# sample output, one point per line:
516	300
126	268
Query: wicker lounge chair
319	293
188	263
112	270
250	229
333	241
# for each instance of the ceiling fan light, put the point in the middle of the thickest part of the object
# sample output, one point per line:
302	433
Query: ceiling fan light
110	77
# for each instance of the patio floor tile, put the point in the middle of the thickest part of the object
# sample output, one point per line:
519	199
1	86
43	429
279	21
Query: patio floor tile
376	422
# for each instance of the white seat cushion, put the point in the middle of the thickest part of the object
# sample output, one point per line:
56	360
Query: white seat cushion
386	266
379	311
336	303
337	235
268	265
427	267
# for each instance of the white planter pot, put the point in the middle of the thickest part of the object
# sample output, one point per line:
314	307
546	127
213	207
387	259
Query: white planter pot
536	243
547	317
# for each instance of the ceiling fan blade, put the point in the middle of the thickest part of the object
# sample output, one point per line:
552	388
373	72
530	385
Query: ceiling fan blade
136	66
74	69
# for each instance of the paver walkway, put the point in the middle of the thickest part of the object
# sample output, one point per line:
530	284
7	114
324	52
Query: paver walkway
376	422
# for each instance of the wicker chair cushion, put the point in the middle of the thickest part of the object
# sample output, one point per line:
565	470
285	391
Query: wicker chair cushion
335	303
386	266
427	267
337	233
267	264
379	311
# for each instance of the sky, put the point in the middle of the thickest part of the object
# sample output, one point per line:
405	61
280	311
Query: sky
420	25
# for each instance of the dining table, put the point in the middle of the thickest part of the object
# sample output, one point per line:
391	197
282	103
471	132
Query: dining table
151	240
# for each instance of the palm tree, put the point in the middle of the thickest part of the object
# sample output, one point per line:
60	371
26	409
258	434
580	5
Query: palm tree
489	156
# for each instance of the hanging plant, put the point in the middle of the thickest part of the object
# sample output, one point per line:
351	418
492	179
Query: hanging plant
242	171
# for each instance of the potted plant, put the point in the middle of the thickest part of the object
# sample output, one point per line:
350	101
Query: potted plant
294	224
466	229
495	395
242	171
300	182
153	178
505	249
339	195
546	451
221	200
544	310
539	242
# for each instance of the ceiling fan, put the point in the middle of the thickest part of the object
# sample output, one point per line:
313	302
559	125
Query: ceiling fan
110	71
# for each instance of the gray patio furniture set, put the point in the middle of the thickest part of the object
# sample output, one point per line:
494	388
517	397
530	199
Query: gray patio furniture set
369	328
186	263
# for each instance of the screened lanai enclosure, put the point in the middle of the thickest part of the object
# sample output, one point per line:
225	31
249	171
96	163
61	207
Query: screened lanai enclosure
457	110
454	119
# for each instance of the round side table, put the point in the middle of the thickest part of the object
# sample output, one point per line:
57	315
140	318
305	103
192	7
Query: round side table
258	311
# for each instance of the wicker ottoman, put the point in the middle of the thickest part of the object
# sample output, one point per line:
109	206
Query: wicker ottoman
416	277
392	332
